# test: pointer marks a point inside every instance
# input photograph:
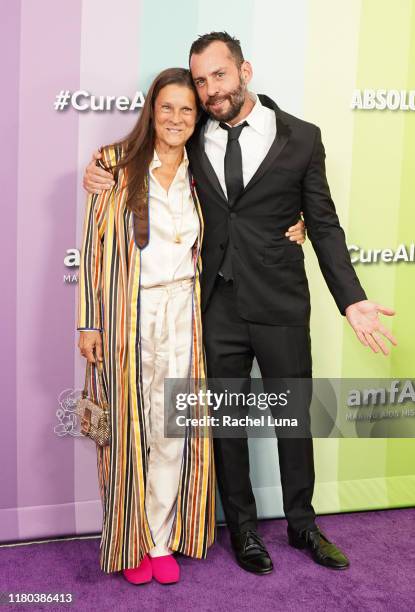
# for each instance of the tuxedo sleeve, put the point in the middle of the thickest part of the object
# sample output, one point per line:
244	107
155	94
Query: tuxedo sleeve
326	234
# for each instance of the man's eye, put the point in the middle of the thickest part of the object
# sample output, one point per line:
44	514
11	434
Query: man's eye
221	74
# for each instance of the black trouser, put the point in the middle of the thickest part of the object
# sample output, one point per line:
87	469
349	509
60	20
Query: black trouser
231	343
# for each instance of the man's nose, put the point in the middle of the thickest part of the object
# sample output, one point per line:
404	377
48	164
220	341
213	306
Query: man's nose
212	88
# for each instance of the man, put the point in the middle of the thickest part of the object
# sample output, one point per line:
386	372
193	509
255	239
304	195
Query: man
256	168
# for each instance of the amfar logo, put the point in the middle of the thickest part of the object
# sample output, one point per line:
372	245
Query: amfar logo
71	260
399	392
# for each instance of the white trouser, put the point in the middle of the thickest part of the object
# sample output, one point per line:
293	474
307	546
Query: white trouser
166	336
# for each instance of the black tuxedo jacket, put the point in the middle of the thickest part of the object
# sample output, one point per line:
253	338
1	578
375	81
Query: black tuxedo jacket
270	280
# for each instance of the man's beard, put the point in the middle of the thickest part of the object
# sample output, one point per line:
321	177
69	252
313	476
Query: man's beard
236	100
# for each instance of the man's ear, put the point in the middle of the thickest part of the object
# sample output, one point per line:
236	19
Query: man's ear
246	71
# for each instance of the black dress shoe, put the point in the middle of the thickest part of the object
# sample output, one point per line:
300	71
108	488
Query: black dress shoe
251	553
322	550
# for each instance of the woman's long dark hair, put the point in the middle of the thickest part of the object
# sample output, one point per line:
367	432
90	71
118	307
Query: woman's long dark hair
138	145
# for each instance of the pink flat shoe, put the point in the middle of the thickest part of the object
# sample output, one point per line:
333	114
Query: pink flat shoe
166	570
141	574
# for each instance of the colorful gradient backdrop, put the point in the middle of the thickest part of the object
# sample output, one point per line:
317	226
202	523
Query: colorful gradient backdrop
308	55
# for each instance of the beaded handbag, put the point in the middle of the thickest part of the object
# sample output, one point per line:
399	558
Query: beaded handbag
95	420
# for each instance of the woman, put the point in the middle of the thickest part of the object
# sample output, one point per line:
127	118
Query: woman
139	310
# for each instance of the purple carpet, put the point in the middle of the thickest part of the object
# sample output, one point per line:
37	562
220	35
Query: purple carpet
380	545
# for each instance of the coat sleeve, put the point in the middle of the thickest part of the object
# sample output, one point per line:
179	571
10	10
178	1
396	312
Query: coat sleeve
90	269
326	234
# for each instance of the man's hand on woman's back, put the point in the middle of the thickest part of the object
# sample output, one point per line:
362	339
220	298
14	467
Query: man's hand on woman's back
96	179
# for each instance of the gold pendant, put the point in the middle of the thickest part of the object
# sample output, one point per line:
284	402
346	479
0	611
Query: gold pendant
177	239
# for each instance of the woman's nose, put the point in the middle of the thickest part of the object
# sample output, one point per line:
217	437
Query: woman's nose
176	116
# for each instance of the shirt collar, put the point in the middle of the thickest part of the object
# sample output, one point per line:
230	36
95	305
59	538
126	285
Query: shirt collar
256	118
156	163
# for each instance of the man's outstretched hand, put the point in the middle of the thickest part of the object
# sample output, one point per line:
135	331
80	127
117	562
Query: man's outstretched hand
364	318
95	178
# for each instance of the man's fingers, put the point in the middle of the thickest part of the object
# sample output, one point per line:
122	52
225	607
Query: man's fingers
89	189
380	343
97	180
388	334
384	310
371	342
93	187
99	175
362	338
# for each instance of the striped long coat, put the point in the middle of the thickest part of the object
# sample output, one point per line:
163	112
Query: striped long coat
108	299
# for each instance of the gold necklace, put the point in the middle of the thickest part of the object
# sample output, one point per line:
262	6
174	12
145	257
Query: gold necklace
177	236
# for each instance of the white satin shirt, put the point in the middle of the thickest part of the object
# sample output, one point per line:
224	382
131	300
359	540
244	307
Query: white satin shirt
255	140
163	260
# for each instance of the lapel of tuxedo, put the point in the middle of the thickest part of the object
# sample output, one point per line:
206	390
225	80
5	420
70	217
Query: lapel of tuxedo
202	160
281	139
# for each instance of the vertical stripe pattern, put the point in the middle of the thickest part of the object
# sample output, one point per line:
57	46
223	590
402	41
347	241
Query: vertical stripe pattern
109	299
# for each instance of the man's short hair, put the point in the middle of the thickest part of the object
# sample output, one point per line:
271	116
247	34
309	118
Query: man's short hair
204	40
